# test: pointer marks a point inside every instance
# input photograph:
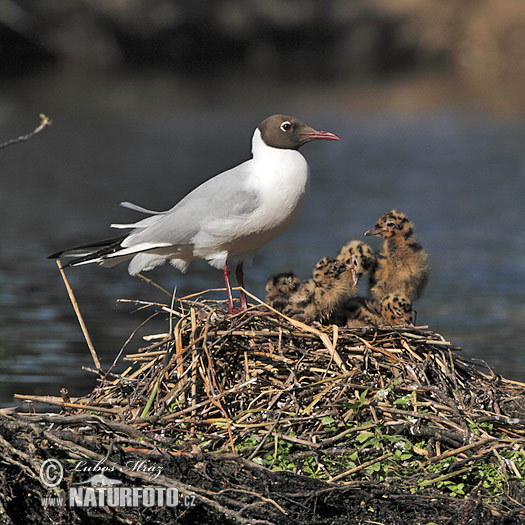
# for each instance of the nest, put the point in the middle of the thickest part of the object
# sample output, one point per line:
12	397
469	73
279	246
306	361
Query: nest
346	408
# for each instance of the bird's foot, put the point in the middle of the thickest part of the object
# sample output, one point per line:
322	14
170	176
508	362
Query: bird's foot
232	310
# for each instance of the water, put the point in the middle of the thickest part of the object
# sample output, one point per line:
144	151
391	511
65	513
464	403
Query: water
458	174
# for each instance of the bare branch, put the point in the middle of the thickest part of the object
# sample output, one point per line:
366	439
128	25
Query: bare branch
44	121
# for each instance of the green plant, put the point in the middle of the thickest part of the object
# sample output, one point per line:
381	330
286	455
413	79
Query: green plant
356	405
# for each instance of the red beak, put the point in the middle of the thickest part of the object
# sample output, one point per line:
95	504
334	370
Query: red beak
322	135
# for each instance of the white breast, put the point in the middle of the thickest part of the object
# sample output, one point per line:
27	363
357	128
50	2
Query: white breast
280	178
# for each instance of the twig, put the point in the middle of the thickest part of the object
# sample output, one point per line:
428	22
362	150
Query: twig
80	318
128	340
251	493
265	437
50	400
437	478
361	467
44	121
460	450
153	283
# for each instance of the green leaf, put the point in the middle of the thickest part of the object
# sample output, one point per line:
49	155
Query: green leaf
364	436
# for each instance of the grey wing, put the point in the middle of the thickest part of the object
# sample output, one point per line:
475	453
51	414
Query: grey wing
215	204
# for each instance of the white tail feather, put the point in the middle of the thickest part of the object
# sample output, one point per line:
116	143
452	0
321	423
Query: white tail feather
139	248
140	209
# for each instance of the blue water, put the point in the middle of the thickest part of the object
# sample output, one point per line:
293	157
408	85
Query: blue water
458	174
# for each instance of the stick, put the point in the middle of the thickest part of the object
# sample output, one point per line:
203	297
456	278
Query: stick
265	437
44	121
50	400
252	493
80	318
444	477
460	450
361	467
153	283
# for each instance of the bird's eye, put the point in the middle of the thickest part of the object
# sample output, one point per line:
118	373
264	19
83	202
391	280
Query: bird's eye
390	224
286	126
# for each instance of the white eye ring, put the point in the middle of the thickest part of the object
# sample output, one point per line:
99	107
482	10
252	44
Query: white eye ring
286	126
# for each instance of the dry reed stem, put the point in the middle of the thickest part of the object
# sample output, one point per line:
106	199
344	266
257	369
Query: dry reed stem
79	317
52	400
153	283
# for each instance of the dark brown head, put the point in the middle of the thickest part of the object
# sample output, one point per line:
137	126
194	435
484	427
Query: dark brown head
285	132
397	309
358	255
392	224
282	283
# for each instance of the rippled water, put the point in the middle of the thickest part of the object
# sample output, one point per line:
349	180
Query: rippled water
458	175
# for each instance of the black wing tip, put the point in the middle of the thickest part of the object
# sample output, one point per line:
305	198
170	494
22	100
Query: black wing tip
99	248
58	255
76	260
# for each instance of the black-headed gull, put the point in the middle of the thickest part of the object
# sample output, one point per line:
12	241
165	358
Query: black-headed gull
229	216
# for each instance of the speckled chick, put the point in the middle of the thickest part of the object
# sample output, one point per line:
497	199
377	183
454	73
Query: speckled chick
361	311
279	288
396	310
360	258
401	265
359	255
316	298
391	310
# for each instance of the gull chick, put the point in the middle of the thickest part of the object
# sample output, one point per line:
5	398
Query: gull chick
357	255
317	298
229	216
390	310
360	258
402	265
279	289
396	310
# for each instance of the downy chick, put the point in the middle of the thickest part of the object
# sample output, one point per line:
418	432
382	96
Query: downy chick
360	257
279	288
391	310
396	310
401	265
332	282
361	311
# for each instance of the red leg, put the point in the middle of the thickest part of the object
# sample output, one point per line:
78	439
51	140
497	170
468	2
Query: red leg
226	273
240	279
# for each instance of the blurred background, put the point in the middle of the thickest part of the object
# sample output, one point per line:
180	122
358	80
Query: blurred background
151	97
